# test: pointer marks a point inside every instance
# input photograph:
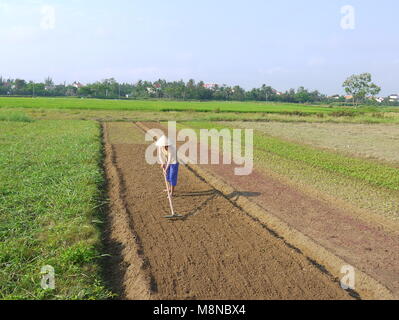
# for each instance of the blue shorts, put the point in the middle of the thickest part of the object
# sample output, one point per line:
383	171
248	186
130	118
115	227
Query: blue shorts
172	173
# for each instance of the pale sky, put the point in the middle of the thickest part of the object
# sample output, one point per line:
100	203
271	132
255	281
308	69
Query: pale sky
282	43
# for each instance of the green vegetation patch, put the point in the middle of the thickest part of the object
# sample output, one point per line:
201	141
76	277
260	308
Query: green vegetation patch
368	141
15	116
168	106
126	115
369	171
50	209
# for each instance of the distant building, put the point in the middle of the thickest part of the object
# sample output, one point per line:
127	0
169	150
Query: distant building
349	97
335	97
277	92
394	98
77	85
210	86
378	99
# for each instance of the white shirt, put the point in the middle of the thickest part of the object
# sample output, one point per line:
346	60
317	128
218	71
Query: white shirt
168	156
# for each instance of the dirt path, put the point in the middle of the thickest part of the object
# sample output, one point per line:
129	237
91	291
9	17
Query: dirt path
216	252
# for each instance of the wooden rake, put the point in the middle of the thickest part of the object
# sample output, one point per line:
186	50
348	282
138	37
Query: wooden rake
174	215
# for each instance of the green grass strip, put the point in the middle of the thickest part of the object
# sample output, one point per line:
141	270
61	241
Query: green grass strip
50	204
166	106
15	116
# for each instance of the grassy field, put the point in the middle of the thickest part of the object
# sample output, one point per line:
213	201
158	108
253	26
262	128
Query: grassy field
50	209
370	141
164	106
125	115
364	183
374	173
14	115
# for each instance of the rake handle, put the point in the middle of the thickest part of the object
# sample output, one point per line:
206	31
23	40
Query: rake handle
169	197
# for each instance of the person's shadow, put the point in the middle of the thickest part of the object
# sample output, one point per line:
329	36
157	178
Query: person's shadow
198	194
212	195
236	194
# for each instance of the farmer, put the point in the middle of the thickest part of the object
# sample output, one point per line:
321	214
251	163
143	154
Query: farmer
169	163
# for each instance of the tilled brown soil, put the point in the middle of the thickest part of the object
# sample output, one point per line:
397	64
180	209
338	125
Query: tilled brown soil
369	244
215	252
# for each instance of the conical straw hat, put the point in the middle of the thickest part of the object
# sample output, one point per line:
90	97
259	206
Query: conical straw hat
163	142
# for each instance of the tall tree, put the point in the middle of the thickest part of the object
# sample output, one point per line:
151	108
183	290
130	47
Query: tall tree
359	86
20	84
48	82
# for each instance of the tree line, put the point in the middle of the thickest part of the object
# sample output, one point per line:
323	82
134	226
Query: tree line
175	90
161	89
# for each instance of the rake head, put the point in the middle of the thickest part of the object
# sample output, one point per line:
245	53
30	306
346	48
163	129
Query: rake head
175	216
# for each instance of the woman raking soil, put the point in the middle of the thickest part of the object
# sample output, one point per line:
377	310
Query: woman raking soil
170	168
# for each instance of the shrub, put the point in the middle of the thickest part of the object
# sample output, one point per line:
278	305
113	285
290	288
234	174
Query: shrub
15	117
